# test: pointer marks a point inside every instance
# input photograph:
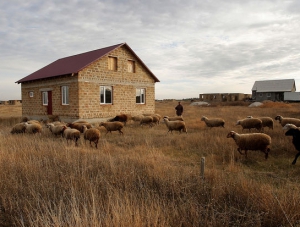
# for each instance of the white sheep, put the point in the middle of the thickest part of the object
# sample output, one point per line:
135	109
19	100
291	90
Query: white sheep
177	118
287	120
18	128
71	134
266	121
213	122
251	141
91	134
112	126
249	123
56	129
147	120
289	126
33	128
175	125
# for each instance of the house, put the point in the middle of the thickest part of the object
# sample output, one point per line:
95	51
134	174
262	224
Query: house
96	84
272	89
223	97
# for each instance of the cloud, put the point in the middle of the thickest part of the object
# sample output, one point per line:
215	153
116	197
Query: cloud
192	47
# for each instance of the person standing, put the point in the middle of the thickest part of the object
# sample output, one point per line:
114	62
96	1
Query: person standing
179	109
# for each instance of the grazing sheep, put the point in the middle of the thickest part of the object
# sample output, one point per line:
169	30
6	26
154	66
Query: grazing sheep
33	128
121	118
78	125
295	133
266	121
71	134
18	128
251	141
34	122
287	120
249	123
91	134
147	120
56	129
289	126
175	125
213	122
156	119
156	116
178	118
112	126
137	118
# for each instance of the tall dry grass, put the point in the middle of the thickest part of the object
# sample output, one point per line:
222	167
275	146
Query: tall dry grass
150	178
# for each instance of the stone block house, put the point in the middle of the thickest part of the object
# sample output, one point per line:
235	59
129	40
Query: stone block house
223	97
96	84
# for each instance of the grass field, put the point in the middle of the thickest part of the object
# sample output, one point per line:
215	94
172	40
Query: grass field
150	178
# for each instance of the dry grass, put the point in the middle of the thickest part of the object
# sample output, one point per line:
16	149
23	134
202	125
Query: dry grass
149	178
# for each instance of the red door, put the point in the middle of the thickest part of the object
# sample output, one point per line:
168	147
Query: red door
49	108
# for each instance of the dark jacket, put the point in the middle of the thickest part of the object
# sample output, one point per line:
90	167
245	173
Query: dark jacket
179	110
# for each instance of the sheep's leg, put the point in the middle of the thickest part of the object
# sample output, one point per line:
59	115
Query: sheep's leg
266	153
76	144
240	151
246	154
295	160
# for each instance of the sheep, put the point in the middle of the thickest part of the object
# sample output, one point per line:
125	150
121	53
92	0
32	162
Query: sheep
251	141
78	125
175	125
289	126
71	134
34	122
178	118
112	126
156	119
56	129
287	120
295	132
18	128
249	123
147	120
33	128
121	118
266	121
92	134
156	116
213	122
137	118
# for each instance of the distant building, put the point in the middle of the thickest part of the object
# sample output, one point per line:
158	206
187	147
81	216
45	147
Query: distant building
223	97
272	89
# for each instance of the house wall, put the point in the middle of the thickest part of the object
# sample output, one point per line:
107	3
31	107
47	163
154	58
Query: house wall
84	91
33	106
274	96
124	87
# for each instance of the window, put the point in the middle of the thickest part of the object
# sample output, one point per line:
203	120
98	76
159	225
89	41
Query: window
140	95
112	63
268	94
131	66
31	94
65	95
260	95
45	98
106	94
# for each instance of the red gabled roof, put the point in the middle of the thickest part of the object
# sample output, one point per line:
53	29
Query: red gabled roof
75	63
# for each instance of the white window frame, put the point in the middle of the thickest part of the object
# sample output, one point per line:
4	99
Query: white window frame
65	95
45	98
140	95
31	94
104	99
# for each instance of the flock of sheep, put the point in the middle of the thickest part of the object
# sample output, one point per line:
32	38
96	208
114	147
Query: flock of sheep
249	141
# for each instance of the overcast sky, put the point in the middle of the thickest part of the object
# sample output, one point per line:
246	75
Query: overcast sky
193	47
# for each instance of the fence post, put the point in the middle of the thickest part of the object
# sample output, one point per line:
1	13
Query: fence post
202	168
